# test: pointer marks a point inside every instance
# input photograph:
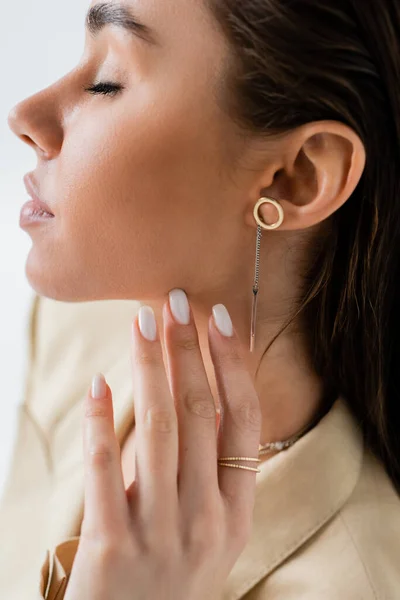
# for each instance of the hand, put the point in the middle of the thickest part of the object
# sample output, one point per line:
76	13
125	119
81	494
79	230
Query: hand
178	530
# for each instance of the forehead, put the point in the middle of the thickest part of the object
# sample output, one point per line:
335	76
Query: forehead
169	16
189	38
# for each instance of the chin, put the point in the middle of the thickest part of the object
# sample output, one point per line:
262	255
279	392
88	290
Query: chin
51	280
69	283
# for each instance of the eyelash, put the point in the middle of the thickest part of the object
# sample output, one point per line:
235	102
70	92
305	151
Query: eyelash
105	88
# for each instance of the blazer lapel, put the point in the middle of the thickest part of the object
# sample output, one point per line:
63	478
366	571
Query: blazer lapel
69	344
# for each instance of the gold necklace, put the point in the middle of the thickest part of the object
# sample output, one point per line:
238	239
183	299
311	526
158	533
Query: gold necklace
282	445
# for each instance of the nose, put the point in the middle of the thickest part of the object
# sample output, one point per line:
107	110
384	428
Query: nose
34	121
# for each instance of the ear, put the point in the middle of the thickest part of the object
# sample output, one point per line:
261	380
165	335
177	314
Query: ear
313	171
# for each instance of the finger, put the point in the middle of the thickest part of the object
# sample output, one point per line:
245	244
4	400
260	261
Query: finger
156	427
106	508
240	426
195	405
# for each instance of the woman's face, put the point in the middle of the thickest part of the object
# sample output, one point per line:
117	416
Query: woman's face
139	180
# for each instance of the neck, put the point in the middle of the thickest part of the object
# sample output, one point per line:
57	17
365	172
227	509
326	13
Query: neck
289	391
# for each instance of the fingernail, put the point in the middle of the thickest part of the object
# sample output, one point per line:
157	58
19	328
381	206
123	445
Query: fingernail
223	320
147	323
99	387
179	306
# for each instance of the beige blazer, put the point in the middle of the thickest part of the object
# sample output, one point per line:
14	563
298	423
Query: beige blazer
326	517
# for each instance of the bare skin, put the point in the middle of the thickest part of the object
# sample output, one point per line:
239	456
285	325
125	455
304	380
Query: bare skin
146	198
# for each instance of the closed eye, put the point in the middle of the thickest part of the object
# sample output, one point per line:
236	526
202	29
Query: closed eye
105	88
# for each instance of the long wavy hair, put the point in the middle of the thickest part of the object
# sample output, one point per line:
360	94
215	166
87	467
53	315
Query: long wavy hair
297	61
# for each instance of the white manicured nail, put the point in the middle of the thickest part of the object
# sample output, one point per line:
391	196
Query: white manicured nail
223	320
179	306
147	323
99	388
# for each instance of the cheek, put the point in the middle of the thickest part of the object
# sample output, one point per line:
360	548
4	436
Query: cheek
133	199
137	172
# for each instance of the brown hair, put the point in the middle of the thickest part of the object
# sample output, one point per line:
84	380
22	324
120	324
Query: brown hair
297	61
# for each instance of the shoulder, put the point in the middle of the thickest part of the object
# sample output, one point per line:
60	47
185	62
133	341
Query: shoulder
371	518
354	556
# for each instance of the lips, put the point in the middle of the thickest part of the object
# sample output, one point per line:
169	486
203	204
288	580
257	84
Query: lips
31	188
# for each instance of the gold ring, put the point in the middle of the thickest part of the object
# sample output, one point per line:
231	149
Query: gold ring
245	458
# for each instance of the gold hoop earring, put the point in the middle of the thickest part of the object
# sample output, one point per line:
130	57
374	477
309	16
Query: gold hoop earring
279	208
260	226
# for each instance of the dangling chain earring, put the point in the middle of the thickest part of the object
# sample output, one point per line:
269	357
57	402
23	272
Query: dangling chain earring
261	225
280	445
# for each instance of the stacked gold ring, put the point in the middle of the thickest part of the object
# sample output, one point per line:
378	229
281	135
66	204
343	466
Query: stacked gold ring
244	458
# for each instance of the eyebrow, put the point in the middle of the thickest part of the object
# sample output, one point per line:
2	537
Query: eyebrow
100	15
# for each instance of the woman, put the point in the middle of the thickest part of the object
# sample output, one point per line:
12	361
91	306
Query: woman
237	159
